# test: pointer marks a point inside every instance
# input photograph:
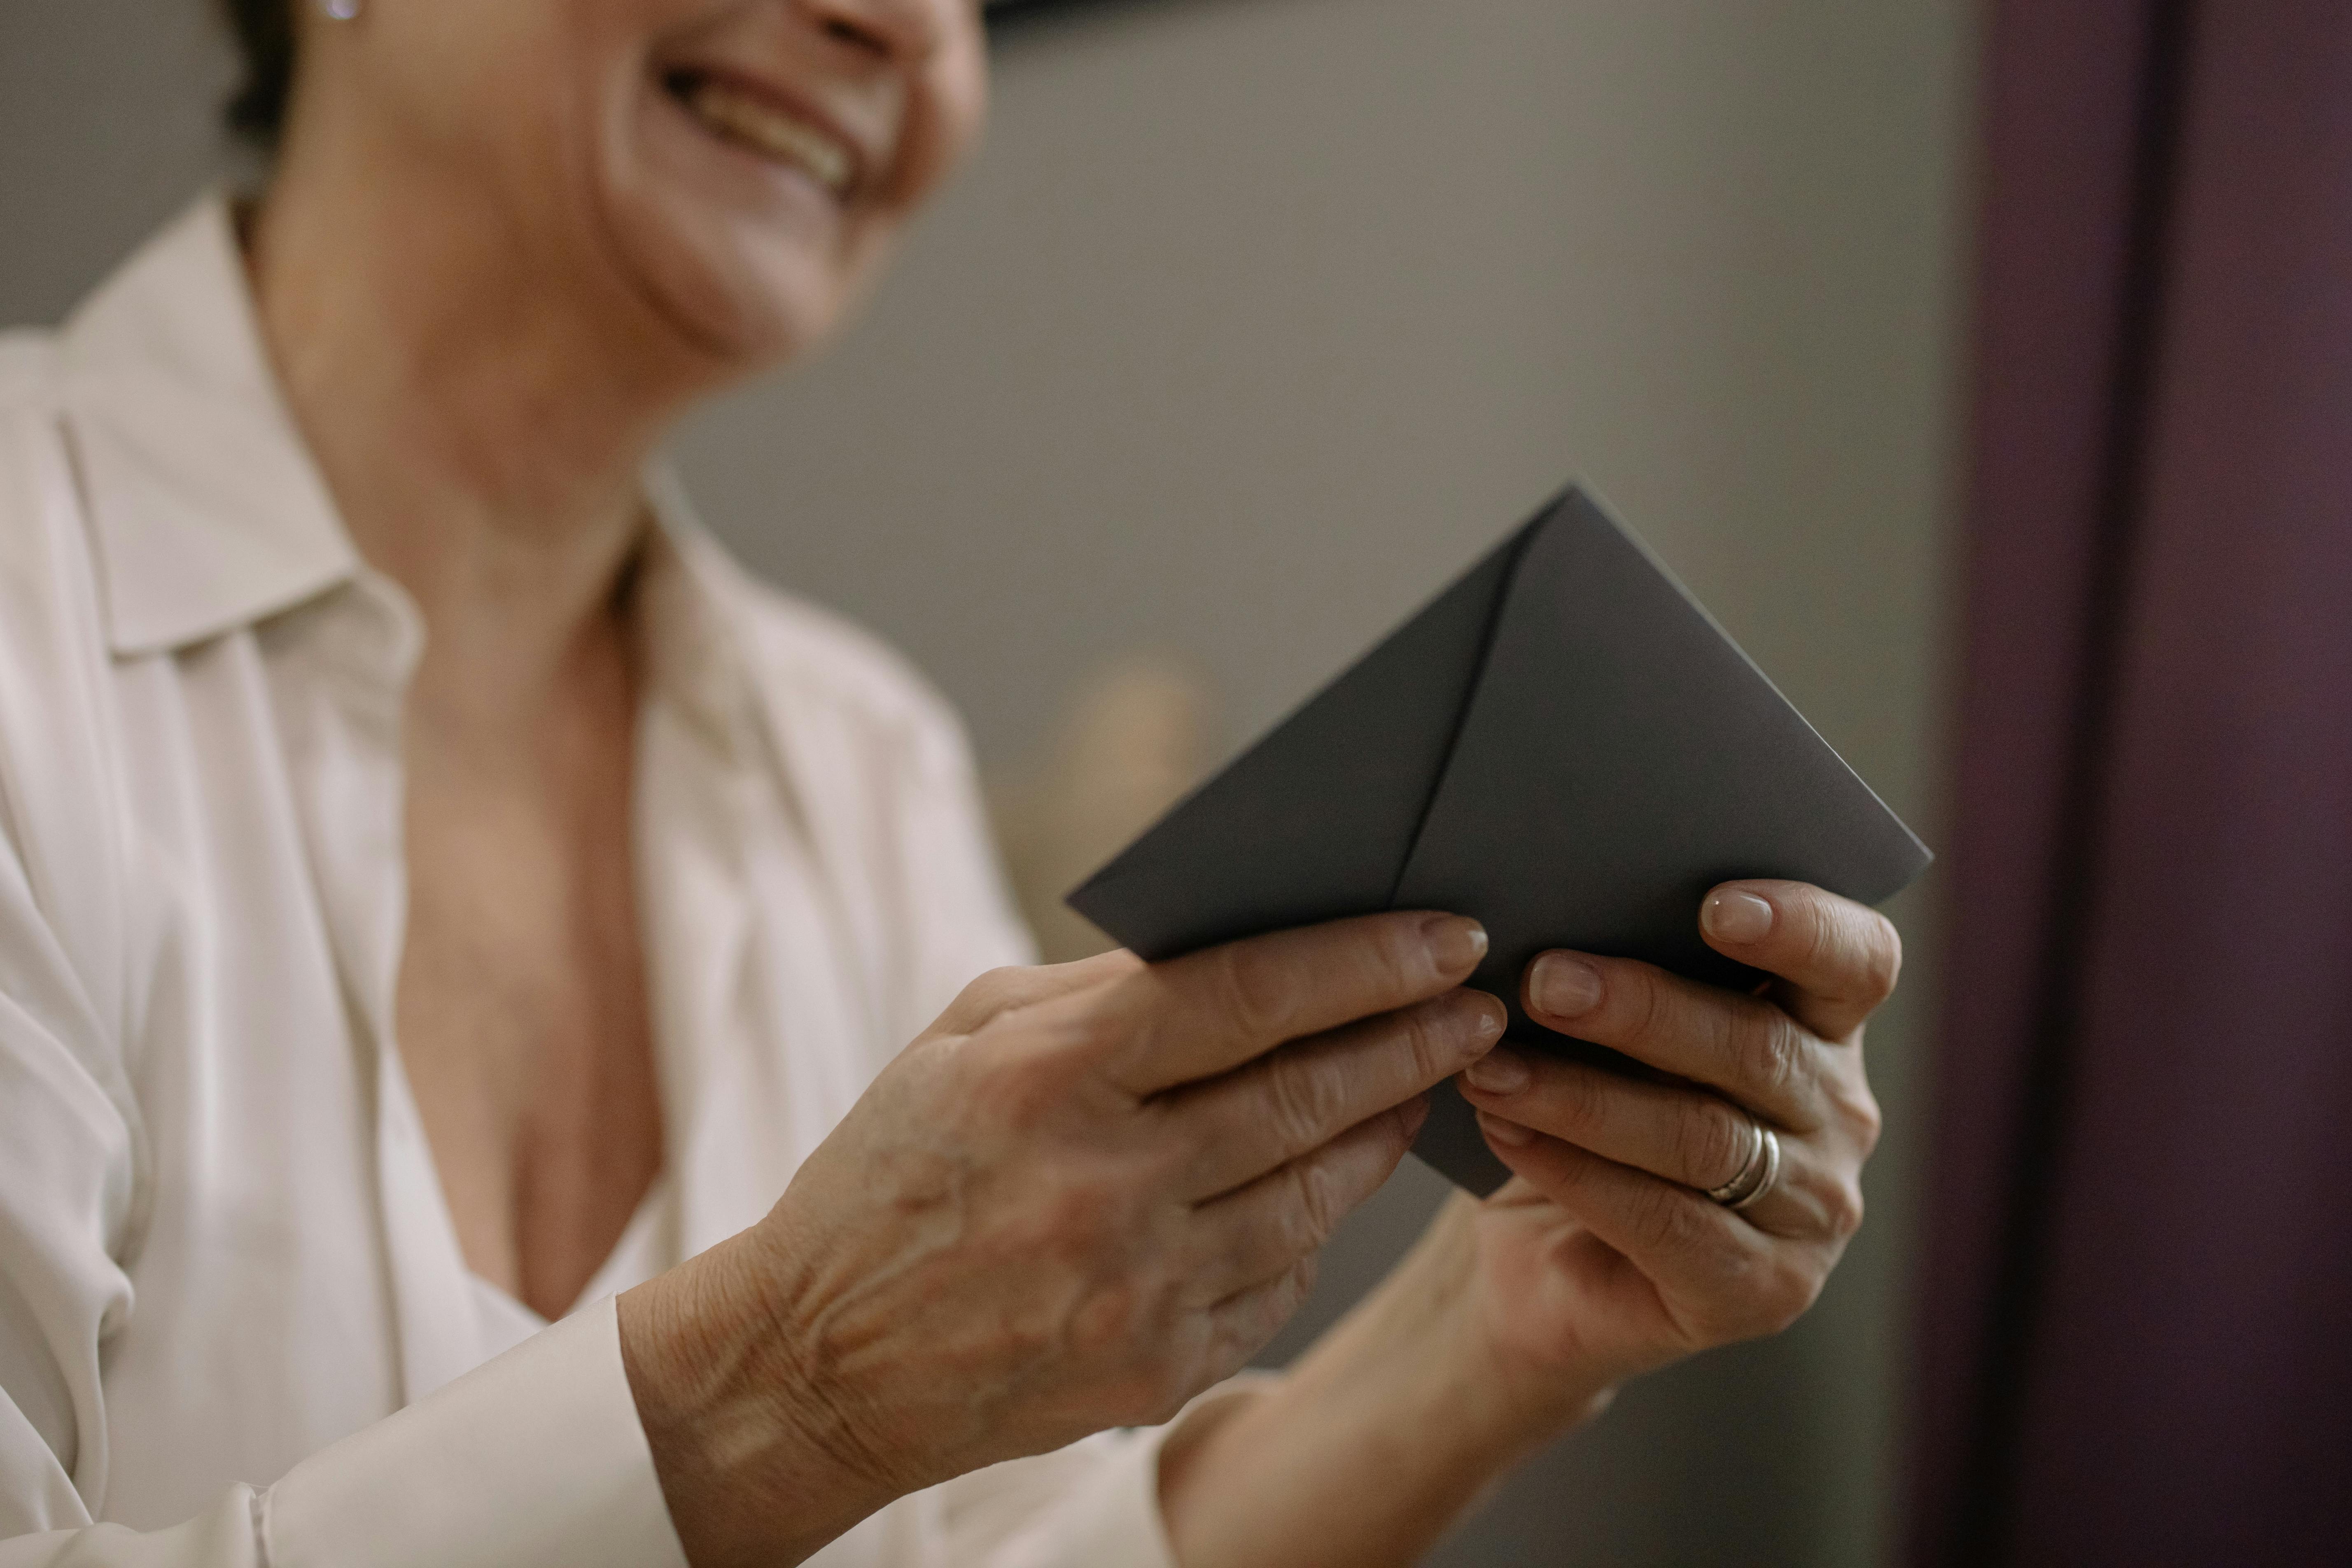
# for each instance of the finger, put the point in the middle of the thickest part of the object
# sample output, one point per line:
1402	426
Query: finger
1687	1136
1837	959
1744	1046
1002	991
1244	1322
1258	1233
1718	1278
1299	1097
1207	1013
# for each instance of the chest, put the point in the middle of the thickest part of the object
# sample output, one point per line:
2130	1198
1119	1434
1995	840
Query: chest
295	1254
522	1014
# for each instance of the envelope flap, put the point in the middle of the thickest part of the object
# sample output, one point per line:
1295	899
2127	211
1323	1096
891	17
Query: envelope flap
1314	822
1620	756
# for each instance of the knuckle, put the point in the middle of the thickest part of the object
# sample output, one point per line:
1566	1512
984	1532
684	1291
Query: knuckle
1296	1285
986	999
1789	1289
1770	1049
1432	1037
1257	989
1852	952
1869	1121
1116	965
1763	1298
1579	1098
1844	1208
1399	1126
1661	1220
1444	1036
1711	1142
1650	1004
1882	958
1405	965
1313	1210
1034	1031
1413	1037
996	988
1825	940
1097	1028
1277	1303
1400	957
1304	1100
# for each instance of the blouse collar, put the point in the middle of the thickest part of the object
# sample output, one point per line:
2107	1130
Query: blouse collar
209	514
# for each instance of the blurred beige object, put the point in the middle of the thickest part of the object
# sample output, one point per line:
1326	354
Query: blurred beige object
1135	737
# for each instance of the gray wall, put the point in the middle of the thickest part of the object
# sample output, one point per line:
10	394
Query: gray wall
1254	321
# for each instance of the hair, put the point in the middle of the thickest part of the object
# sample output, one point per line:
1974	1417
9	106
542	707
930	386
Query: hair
265	37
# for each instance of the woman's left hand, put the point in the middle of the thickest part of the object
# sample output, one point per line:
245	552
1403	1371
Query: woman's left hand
1605	1258
1602	1258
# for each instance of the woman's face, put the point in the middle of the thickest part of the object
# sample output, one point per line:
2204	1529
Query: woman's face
737	168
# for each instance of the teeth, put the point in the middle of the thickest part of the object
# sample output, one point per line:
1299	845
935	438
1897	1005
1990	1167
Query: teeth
769	130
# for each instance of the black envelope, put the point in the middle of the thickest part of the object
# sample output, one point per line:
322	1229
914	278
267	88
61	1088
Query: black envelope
1563	744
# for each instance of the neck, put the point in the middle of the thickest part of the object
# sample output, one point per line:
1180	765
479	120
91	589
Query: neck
481	415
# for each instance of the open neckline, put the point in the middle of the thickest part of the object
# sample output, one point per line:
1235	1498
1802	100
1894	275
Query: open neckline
640	1251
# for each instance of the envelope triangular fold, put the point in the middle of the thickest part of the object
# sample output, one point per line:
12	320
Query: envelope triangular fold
1563	744
1620	757
1314	821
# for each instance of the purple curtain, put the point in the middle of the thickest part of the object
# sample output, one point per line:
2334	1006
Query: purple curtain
2135	1318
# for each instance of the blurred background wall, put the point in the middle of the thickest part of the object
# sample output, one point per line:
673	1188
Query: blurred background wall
1255	320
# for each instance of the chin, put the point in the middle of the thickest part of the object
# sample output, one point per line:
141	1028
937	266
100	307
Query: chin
745	262
743	299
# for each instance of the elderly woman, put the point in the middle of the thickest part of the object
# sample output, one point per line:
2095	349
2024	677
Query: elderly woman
493	1066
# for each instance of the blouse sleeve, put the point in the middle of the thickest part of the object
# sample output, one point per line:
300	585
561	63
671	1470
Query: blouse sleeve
535	1458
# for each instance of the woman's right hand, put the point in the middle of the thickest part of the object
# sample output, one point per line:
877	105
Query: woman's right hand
1083	1196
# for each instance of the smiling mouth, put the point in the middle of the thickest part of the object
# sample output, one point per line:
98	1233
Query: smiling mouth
762	127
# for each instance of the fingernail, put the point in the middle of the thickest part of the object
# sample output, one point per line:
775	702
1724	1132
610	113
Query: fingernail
1499	1071
1564	986
1416	1112
1503	1131
1454	942
1490	1020
1738	918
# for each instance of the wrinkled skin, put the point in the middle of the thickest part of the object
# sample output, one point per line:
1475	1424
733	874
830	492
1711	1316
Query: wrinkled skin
497	261
1602	1253
1600	1260
1081	1197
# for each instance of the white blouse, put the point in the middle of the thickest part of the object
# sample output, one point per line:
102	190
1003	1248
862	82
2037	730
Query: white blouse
236	1326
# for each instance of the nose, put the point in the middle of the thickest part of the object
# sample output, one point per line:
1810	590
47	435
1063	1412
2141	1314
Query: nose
902	31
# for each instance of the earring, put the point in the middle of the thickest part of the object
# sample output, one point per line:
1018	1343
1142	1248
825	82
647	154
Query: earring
340	10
